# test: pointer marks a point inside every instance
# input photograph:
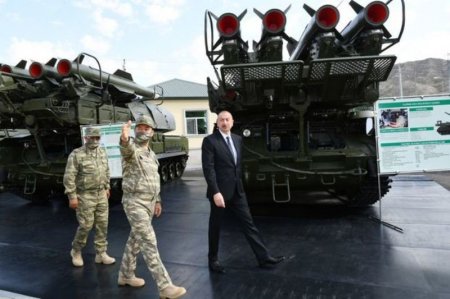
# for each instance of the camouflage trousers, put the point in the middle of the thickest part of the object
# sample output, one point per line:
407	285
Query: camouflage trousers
142	238
92	210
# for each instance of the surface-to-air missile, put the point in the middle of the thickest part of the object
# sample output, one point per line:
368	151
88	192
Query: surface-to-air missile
44	107
307	121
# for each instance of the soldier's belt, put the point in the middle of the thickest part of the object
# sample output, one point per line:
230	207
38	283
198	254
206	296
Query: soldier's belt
93	190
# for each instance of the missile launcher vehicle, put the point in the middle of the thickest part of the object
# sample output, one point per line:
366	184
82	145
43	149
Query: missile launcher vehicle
443	128
306	121
42	111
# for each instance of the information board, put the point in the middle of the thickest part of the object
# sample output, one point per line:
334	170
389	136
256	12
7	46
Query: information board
110	136
413	134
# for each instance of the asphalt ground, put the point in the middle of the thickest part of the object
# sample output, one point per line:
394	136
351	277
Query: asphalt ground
332	252
442	178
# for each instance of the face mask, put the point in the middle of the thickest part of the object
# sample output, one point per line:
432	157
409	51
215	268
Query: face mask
142	137
92	143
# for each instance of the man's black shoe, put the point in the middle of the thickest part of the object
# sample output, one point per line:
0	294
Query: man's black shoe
270	261
215	266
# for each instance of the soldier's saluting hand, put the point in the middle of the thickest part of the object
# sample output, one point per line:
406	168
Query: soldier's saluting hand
126	128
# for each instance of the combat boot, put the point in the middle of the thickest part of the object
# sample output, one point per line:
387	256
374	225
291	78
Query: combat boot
172	292
104	258
77	259
133	281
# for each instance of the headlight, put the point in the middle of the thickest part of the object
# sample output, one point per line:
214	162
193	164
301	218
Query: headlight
246	133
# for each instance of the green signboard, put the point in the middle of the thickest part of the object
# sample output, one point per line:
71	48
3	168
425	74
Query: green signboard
110	135
413	134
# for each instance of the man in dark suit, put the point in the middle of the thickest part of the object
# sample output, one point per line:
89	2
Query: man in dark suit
221	162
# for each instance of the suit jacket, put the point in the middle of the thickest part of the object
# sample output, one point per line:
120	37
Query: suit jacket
220	172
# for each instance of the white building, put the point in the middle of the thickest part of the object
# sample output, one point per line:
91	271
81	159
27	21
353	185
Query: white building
188	102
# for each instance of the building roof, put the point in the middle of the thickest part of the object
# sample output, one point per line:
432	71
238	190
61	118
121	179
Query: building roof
177	88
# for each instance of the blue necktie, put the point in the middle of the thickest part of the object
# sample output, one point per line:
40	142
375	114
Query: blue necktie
231	149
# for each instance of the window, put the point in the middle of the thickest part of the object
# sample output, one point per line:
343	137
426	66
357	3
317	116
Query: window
196	122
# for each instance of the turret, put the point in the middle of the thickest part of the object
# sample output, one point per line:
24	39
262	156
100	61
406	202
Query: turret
65	94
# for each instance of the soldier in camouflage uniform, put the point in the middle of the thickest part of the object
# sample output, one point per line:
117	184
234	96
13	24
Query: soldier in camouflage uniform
86	182
141	200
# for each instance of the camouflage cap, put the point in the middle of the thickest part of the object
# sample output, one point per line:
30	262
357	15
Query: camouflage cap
92	132
145	120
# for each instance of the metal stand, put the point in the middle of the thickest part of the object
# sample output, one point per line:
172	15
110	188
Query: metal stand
387	224
373	218
379	220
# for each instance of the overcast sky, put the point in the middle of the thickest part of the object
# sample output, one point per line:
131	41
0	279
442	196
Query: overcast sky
163	39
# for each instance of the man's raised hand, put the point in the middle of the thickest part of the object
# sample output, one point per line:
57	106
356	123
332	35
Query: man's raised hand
125	131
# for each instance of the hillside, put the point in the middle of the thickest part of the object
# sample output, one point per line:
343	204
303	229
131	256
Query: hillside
422	77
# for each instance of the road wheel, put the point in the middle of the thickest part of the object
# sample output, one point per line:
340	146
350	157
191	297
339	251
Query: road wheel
179	169
164	173
116	191
172	172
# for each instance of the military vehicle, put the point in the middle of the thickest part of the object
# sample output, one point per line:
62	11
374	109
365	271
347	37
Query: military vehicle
43	107
307	122
443	128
